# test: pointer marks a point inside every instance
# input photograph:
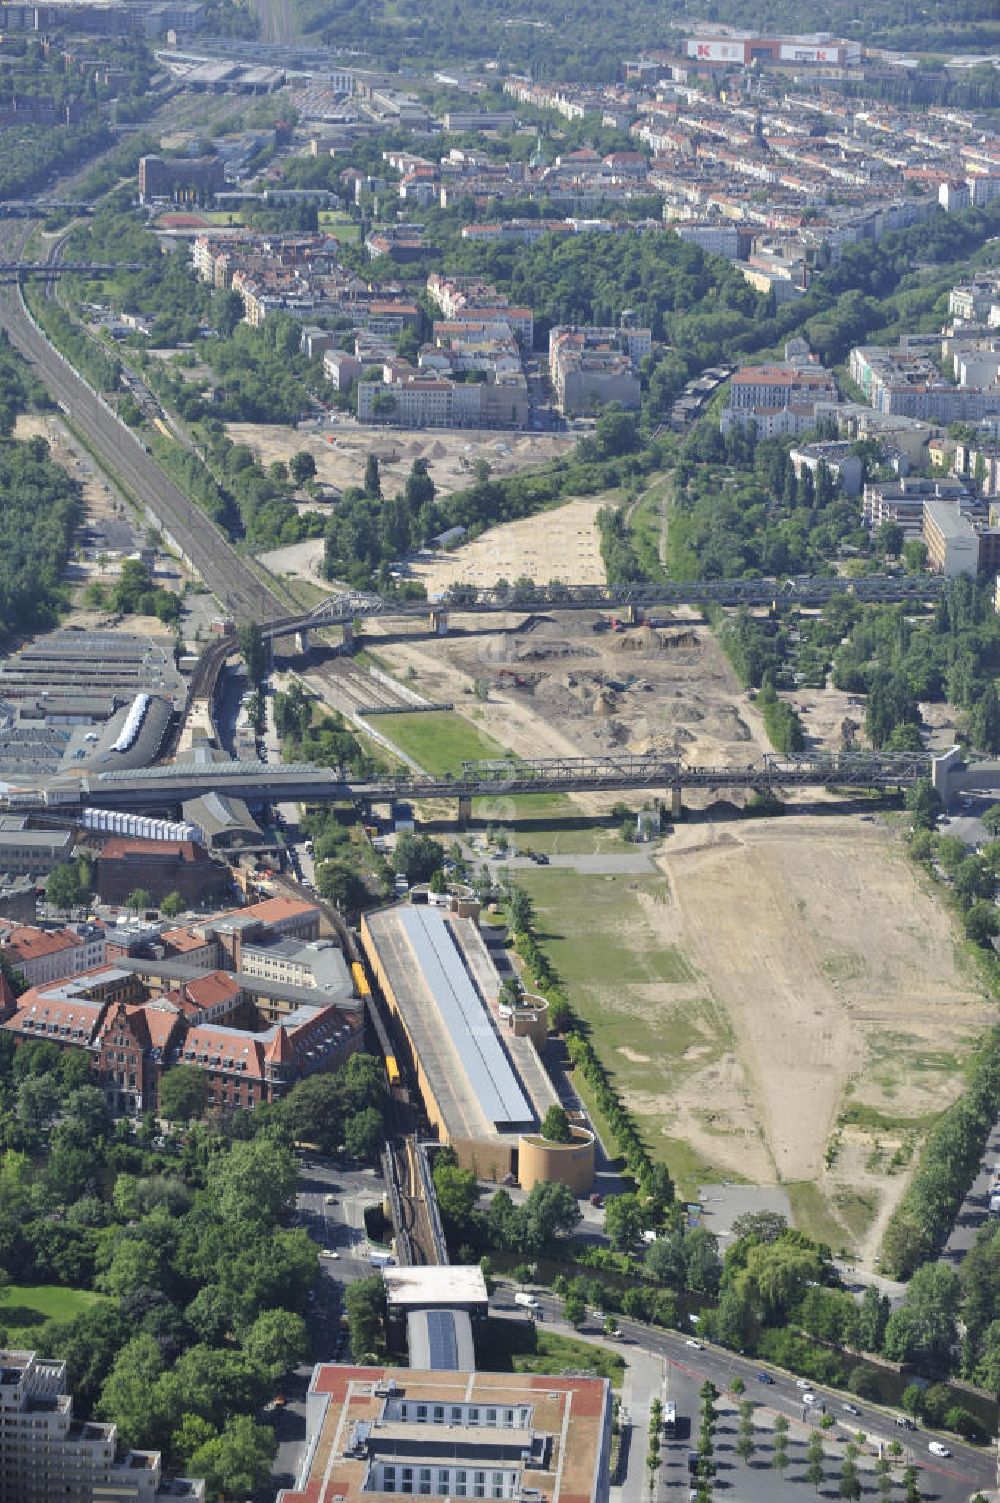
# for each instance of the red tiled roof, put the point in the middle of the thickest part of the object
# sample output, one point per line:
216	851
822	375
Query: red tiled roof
162	1021
27	943
121	845
279	1050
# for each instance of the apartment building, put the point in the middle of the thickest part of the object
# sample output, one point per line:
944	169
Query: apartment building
43	955
415	399
180	178
902	501
758	387
958	543
591	367
907	381
47	1456
980	461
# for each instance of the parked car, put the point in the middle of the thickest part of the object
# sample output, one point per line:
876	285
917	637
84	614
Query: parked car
850	1409
693	1343
809	1398
802	1382
937	1449
764	1378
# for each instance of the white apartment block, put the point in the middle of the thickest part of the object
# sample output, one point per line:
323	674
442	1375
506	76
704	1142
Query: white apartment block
47	1456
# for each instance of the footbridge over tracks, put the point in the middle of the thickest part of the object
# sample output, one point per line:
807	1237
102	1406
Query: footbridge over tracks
349	606
165	787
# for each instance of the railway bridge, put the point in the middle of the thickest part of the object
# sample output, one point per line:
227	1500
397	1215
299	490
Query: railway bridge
165	787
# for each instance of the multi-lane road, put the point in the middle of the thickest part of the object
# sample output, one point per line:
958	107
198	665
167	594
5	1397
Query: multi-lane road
951	1481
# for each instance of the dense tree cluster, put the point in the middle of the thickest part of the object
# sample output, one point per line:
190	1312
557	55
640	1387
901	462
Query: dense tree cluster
188	1240
39	512
31	154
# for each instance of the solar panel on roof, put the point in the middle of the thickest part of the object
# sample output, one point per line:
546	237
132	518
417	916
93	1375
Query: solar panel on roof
442	1340
469	1025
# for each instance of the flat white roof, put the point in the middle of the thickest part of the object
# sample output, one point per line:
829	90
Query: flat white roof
464	1285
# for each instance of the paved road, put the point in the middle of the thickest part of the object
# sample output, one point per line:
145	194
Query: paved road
950	1481
337	1225
974	1211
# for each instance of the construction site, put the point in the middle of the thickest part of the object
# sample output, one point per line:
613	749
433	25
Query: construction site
749	985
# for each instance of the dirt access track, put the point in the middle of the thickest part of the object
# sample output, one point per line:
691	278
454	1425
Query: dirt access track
837	971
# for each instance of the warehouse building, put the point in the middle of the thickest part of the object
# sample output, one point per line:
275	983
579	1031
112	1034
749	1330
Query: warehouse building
480	1076
453	1433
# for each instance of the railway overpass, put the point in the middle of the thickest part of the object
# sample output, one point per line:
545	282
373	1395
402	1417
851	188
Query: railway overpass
349	606
167	786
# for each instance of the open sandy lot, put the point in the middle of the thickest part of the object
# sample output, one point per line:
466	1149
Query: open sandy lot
560	544
341	451
837	971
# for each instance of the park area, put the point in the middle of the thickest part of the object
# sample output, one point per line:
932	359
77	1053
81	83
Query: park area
25	1307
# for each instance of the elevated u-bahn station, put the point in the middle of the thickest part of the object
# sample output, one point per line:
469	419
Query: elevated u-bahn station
478	1066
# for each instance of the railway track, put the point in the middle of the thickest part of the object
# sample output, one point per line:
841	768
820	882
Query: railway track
125	457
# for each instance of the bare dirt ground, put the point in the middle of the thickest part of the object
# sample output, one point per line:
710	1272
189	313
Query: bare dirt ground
564	689
541	548
341	452
838	972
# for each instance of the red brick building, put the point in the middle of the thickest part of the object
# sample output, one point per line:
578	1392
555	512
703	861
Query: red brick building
133	1039
125	866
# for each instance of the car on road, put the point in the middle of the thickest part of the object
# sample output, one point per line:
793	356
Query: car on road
937	1449
328	1252
764	1378
802	1382
809	1398
851	1409
329	1200
698	1346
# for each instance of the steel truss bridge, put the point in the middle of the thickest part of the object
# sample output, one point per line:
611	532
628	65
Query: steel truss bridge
166	786
814	590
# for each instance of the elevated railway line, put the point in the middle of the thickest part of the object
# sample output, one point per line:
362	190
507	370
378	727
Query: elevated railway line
166	786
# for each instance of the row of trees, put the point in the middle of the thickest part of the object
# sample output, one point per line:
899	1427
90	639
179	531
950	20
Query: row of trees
948	1164
780	1297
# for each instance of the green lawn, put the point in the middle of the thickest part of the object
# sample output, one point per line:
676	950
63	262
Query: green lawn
650	1021
510	1346
25	1306
440	741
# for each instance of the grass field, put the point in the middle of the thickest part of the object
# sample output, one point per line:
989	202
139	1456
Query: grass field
440	741
652	1023
513	1347
645	526
25	1306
